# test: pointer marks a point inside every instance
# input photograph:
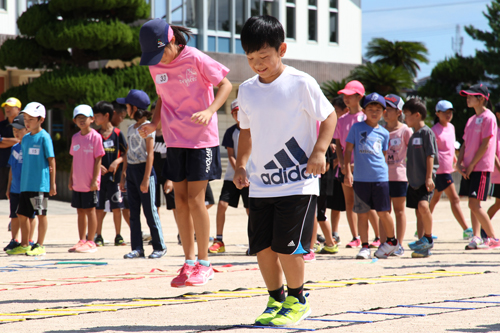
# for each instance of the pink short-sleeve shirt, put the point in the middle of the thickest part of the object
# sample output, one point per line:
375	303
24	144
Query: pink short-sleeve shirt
186	86
344	124
445	138
479	128
495	176
396	155
85	149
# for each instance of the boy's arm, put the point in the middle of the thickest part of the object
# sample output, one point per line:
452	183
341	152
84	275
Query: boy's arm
8	142
244	150
497	163
97	168
479	154
429	183
9	182
52	168
317	164
124	173
340	155
203	117
70	182
150	143
230	155
114	165
348	173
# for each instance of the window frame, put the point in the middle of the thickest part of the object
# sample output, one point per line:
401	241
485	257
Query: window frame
315	9
292	6
332	10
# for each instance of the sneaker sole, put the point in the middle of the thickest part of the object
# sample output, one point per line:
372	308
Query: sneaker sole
215	252
420	255
87	251
304	316
189	284
360	257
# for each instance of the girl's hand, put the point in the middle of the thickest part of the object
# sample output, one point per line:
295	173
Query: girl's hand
168	186
93	186
202	117
103	170
70	185
112	167
468	171
348	179
145	185
146	129
122	184
240	178
7	193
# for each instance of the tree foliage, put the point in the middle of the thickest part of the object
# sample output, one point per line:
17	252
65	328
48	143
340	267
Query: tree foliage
331	88
382	78
398	54
447	78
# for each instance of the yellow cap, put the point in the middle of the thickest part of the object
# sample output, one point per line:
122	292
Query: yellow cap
12	101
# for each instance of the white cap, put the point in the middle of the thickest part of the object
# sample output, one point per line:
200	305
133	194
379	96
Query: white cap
34	109
83	109
234	105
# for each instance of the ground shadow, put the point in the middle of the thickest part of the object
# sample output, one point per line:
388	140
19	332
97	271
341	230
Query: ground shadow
480	328
142	328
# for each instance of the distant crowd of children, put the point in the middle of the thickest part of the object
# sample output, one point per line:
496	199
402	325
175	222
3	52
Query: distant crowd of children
286	135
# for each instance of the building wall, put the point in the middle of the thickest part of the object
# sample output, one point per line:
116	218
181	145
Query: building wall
8	18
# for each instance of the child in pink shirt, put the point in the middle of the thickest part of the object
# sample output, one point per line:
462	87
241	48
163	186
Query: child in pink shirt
352	94
495	176
445	138
476	161
399	136
85	176
184	78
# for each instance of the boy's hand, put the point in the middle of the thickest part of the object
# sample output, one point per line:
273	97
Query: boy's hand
316	164
202	117
145	185
7	194
168	186
348	179
333	147
103	170
93	186
52	190
146	129
429	185
240	178
122	184
112	167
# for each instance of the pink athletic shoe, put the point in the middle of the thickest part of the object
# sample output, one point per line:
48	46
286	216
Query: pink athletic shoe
493	243
309	257
180	280
77	245
200	275
375	244
356	242
87	247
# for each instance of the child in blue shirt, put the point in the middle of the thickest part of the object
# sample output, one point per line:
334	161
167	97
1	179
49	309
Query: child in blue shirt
370	143
38	179
14	184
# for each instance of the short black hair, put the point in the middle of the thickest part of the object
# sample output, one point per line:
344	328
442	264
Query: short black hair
415	106
497	107
119	107
339	101
261	31
104	107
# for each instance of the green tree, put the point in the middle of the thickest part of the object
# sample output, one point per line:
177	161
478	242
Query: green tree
398	54
331	88
382	78
447	78
491	39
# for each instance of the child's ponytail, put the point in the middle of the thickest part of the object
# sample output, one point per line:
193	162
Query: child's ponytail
180	34
142	113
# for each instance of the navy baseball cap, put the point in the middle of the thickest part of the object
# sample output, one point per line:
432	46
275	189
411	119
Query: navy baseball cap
154	36
136	98
394	101
476	90
374	98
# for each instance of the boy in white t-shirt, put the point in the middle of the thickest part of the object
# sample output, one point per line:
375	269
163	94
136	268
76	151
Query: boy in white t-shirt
279	109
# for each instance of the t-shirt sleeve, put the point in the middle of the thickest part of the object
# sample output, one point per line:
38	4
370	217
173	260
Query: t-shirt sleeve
488	128
11	160
98	146
351	136
71	148
430	145
385	143
314	101
336	133
48	147
227	140
211	70
242	113
122	145
407	135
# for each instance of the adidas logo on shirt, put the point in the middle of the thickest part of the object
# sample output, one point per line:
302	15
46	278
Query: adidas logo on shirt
290	160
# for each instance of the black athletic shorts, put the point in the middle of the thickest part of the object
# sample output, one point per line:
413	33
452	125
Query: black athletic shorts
283	223
371	195
476	186
85	200
414	196
495	193
33	203
442	181
231	194
110	191
397	189
192	164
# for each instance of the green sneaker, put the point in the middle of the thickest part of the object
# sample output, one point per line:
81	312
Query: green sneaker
18	250
99	241
292	312
36	250
119	241
273	307
329	249
468	234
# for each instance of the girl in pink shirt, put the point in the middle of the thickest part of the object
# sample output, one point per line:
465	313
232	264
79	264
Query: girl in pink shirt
476	161
445	138
399	136
495	176
352	94
185	78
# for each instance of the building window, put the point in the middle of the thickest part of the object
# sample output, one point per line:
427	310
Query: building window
29	3
223	15
334	21
193	41
240	15
263	7
211	14
223	44
184	13
238	47
3	5
290	19
211	44
313	20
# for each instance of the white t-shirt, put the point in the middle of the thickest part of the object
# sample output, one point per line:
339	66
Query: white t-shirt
282	118
137	152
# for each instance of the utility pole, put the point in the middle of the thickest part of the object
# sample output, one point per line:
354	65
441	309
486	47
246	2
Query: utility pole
457	42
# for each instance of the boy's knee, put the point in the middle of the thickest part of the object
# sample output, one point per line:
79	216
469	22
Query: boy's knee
423	207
